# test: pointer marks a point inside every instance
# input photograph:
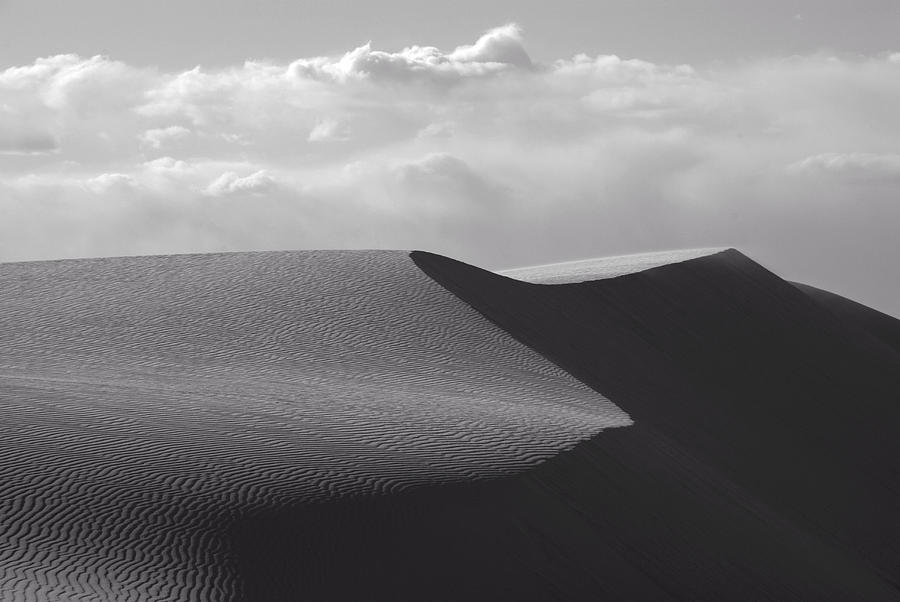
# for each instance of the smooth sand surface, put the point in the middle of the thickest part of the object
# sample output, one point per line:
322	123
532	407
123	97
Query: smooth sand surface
597	268
878	325
764	459
379	426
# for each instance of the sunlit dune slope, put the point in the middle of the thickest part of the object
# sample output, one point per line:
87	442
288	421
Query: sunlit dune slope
598	268
150	403
387	426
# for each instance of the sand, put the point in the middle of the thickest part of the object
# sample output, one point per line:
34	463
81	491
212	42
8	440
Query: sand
598	268
763	462
379	426
151	404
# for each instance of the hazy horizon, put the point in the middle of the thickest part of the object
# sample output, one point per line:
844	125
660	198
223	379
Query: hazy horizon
502	135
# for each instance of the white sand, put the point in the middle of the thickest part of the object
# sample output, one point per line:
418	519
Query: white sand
599	268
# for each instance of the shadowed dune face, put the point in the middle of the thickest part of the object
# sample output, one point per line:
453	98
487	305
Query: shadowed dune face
744	390
378	426
880	326
148	404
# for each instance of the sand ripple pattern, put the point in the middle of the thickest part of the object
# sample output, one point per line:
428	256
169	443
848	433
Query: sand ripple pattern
148	403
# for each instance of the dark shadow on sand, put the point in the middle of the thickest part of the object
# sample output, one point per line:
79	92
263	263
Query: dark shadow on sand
763	463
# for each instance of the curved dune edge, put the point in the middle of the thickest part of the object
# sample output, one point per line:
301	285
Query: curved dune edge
760	466
153	405
878	325
764	456
598	268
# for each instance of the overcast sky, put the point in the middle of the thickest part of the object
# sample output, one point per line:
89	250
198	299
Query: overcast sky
502	133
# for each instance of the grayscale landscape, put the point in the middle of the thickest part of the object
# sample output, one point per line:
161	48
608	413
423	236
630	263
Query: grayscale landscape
473	301
243	425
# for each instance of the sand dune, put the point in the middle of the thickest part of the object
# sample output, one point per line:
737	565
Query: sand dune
380	426
763	462
598	268
149	403
877	325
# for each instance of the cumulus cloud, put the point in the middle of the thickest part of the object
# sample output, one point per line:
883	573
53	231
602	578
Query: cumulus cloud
167	165
71	83
498	50
502	45
477	151
230	183
110	181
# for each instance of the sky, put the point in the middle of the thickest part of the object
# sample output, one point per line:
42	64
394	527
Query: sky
502	133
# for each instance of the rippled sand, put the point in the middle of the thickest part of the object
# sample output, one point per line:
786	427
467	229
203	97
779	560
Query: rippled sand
386	426
149	402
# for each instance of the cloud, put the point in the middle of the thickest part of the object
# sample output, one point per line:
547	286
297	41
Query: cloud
230	183
448	184
438	129
478	151
82	86
167	165
157	137
853	166
329	130
23	135
502	45
440	169
498	50
110	182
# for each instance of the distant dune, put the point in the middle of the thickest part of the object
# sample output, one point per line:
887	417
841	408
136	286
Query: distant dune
375	425
597	268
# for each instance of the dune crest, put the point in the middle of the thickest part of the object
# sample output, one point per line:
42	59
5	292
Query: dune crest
376	425
150	404
742	388
597	268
